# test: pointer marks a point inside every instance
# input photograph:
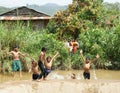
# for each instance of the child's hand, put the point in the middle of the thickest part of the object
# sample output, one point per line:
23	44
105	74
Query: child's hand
81	51
56	53
97	56
7	50
29	70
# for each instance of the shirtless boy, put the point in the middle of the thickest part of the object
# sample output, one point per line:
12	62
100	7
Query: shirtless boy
34	69
16	64
48	64
87	64
41	62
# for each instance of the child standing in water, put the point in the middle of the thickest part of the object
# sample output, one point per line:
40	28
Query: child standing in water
48	64
16	64
41	62
87	64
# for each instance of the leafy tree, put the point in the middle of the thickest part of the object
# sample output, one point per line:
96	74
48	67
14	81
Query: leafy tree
80	16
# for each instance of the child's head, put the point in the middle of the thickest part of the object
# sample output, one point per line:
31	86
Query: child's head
16	48
87	59
43	49
48	59
73	76
34	63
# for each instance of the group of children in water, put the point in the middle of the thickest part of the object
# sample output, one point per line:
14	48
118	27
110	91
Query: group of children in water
45	64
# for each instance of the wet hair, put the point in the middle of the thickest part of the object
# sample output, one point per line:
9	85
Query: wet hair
73	76
43	49
48	58
15	46
34	62
87	58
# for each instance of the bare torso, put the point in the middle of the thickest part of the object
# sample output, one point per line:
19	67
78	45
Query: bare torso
35	70
15	55
48	65
42	57
87	67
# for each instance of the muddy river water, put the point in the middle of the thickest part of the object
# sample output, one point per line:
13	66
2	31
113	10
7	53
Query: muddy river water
102	81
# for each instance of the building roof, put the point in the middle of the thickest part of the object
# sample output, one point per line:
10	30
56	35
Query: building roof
24	13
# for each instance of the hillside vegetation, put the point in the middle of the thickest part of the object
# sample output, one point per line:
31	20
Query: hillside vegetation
96	27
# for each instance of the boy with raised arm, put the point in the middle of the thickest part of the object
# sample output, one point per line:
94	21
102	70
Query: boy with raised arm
87	64
16	64
48	64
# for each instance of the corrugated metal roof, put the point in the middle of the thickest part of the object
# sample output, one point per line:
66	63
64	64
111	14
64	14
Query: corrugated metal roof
23	18
26	11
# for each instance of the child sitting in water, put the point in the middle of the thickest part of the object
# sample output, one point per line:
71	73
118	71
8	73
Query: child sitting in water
34	68
48	64
73	76
87	61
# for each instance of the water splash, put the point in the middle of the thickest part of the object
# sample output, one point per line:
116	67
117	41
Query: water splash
94	75
78	77
94	72
56	76
61	77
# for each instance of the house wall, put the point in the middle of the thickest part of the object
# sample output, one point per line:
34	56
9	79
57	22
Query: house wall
35	24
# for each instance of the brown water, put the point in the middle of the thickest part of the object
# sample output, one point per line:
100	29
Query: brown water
102	81
95	74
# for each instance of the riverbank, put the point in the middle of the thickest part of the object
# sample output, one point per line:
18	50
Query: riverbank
61	86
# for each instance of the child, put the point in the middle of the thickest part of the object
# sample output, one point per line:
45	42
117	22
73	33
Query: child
16	64
75	46
87	61
48	64
73	76
34	68
41	62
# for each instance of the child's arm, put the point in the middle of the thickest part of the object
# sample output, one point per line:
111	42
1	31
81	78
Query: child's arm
95	59
81	53
7	52
22	54
29	70
54	57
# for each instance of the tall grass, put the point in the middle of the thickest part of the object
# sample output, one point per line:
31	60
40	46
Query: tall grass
30	43
104	42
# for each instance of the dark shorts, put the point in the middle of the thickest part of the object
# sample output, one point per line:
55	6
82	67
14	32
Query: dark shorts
86	75
35	76
42	68
16	65
47	70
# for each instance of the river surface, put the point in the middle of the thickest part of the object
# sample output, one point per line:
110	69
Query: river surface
95	74
102	81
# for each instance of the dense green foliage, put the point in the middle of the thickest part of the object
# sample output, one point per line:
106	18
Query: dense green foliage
80	16
96	28
30	43
105	43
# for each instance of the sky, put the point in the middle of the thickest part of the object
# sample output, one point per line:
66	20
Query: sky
14	3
